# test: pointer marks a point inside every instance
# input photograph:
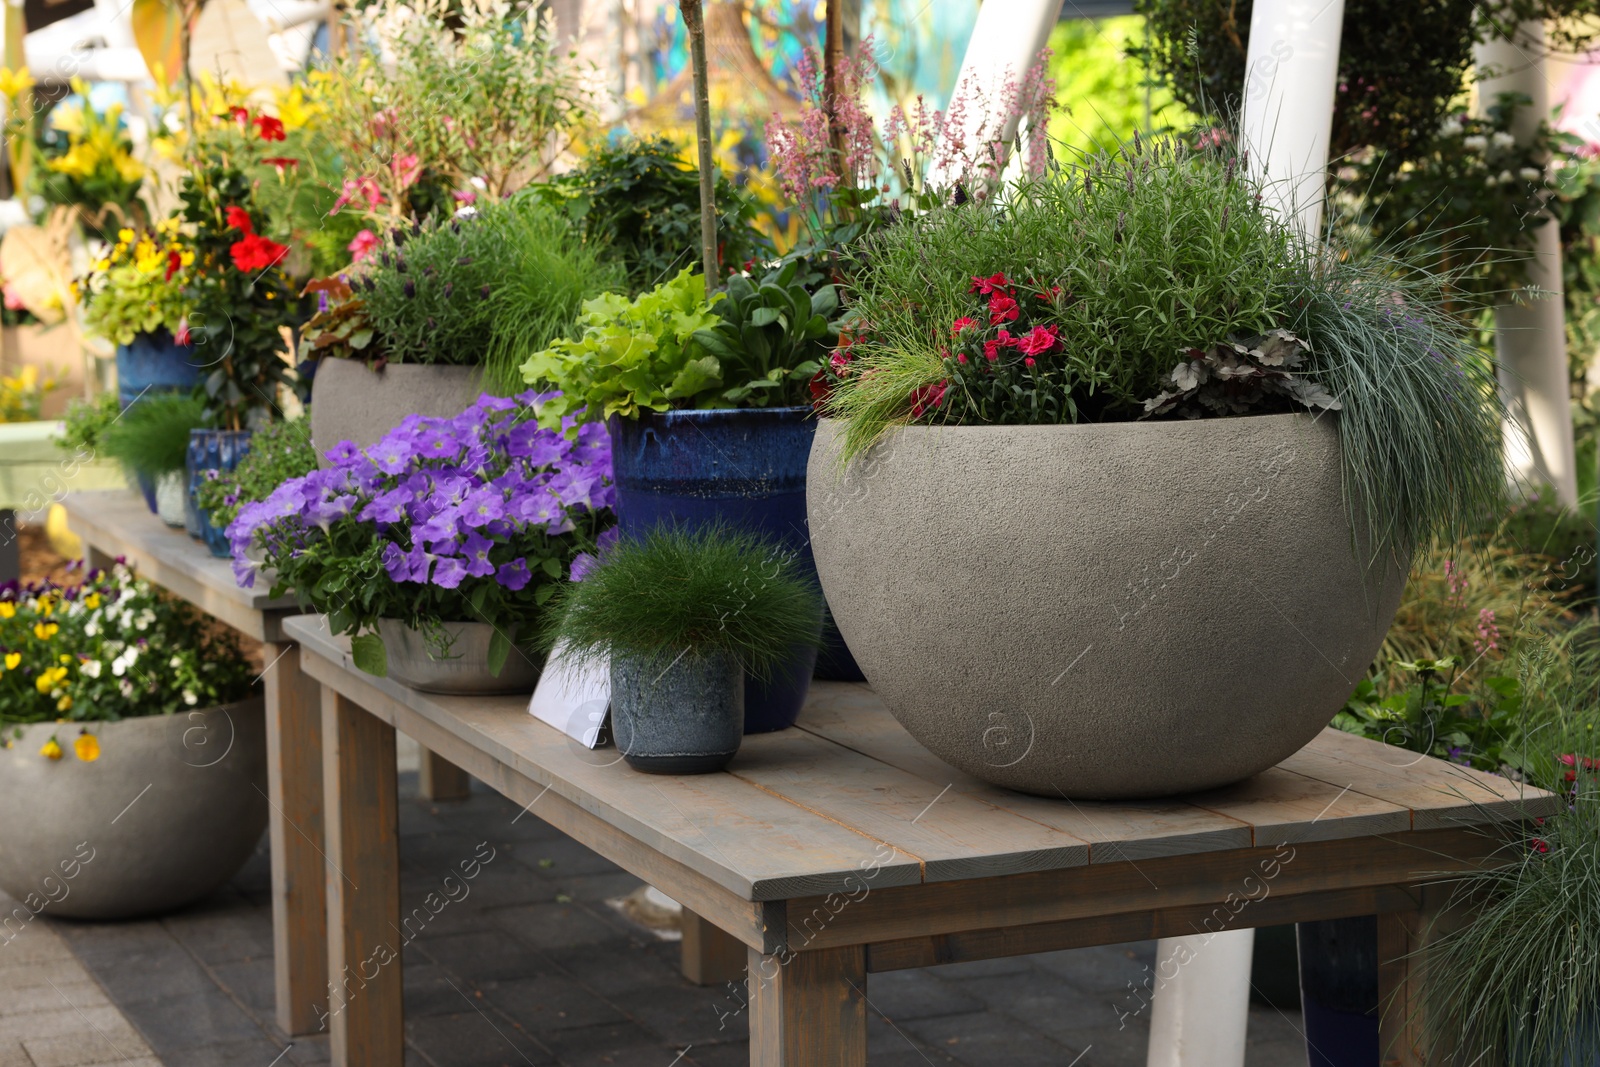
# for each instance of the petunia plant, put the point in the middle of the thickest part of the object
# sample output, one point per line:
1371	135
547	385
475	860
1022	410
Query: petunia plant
475	518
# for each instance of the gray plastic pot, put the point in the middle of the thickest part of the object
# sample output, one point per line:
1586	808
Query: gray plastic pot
1120	610
351	403
685	716
464	670
169	812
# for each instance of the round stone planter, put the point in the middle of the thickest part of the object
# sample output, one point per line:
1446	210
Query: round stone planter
351	403
1104	611
464	670
168	813
686	718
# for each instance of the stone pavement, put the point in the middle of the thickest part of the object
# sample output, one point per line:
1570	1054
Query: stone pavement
531	967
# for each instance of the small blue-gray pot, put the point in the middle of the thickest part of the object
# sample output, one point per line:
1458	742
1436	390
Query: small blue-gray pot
682	715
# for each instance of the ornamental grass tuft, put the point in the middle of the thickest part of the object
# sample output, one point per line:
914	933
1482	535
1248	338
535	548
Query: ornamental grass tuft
152	436
697	592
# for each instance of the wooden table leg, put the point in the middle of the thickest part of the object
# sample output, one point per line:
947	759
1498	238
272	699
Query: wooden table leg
363	879
439	779
1402	939
809	1009
710	956
299	895
10	550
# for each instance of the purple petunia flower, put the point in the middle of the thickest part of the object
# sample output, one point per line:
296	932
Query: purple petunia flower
476	548
514	575
449	572
482	507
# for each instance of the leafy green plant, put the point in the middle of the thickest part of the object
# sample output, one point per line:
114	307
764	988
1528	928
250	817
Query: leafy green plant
632	356
428	288
86	422
775	333
278	452
690	591
152	437
639	198
1429	716
137	286
1126	261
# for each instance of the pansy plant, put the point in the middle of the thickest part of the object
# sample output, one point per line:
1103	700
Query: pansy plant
475	518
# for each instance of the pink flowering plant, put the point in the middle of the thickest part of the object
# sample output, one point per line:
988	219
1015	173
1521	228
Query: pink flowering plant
476	518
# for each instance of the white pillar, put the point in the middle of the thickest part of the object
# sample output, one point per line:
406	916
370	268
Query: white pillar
1530	339
1291	81
1198	1016
1007	38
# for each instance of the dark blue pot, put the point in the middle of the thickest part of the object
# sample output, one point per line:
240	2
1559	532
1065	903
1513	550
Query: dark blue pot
743	467
1339	991
147	489
210	450
154	362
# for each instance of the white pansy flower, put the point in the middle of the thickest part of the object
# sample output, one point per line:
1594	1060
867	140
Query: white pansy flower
1506	177
1502	139
1451	127
190	698
1477	142
91	668
91	629
1531	174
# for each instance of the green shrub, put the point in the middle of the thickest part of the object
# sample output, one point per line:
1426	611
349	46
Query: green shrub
152	437
278	451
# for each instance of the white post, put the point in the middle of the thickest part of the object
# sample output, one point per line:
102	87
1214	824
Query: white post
1291	80
1530	339
1007	38
1199	1015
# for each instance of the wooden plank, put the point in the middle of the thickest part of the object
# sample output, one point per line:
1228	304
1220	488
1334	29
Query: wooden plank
809	1009
954	835
363	884
710	957
1403	937
299	898
1440	794
757	845
440	780
117	523
1284	806
849	714
1134	926
895	913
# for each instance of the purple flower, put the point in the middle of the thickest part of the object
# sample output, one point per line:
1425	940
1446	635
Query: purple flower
393	454
442	527
476	548
514	575
582	564
449	572
387	507
482	507
343	452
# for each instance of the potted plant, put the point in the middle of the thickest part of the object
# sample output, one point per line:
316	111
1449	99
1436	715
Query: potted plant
151	441
682	617
438	311
1123	475
706	417
133	296
278	452
437	549
118	702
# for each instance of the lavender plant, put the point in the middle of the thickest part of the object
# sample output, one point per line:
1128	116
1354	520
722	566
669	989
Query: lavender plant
476	518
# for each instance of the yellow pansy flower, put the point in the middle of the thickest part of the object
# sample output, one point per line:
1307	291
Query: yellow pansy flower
87	746
47	607
92	601
125	237
51	750
7	609
13	660
65	703
44	631
63	658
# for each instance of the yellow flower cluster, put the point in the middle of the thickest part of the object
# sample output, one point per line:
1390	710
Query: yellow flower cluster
95	145
86	747
14	83
21	395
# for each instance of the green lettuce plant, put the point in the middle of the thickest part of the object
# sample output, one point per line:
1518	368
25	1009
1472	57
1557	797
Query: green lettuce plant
776	330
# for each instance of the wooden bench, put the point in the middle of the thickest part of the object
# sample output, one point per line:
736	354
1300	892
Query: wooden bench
842	847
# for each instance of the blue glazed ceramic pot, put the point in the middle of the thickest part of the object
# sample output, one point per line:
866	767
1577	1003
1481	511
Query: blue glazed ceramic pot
745	467
154	362
210	450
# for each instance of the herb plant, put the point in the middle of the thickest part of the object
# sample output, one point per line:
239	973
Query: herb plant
113	647
775	333
471	519
152	437
698	592
86	422
278	452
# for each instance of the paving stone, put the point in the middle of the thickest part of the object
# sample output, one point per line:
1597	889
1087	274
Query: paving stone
1110	1047
256	1052
591	1044
919	994
31	975
251	982
551	926
34	942
685	1014
562	857
84	1046
66	1018
593	887
475	1039
83	993
218	935
309	1051
429	990
1105	967
549	1002
161	975
618	966
983	1039
191	1021
11	1053
485	957
95	943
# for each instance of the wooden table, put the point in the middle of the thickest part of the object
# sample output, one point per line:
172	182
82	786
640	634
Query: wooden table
34	473
843	847
117	523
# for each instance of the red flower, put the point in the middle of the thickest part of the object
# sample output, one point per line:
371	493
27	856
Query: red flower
281	162
926	398
182	336
1540	845
1002	308
991	349
961	357
1030	362
1038	341
239	219
174	264
255	252
820	389
241	115
362	245
269	128
840	362
961	325
988	285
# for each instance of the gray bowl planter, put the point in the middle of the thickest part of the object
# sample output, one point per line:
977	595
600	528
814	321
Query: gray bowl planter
168	813
465	671
351	403
1121	610
684	718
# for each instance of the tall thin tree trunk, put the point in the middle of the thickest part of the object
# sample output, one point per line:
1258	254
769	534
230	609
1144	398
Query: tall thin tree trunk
832	60
694	22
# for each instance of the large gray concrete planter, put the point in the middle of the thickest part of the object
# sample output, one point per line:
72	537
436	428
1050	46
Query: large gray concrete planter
168	813
1105	611
351	403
